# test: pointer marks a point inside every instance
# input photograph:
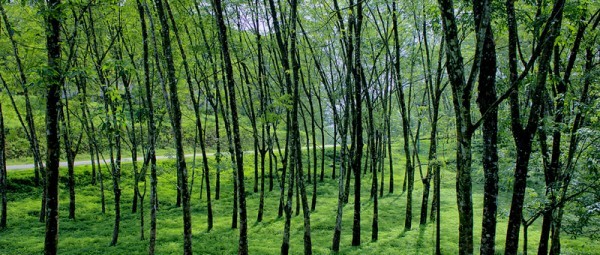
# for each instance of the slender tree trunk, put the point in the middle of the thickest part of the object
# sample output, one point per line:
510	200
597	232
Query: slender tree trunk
115	162
343	183
134	148
53	79
3	201
151	133
243	240
487	96
357	119
70	153
175	114
409	173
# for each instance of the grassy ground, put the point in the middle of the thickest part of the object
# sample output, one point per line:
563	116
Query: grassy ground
91	232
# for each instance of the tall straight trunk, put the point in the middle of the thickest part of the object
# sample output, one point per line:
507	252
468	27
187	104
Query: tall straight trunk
231	148
285	246
389	140
285	63
409	172
261	204
175	114
373	145
433	92
114	145
53	79
489	157
151	130
101	181
435	203
343	123
3	200
375	222
335	158
134	148
357	119
70	153
309	94
222	29
322	128
196	105
265	126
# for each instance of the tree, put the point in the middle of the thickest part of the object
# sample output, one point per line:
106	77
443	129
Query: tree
523	133
71	151
54	80
196	106
243	241
151	157
409	173
357	128
2	172
557	173
489	157
461	98
175	115
30	130
30	127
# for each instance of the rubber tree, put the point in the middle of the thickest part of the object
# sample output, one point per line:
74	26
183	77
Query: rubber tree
53	80
462	90
222	29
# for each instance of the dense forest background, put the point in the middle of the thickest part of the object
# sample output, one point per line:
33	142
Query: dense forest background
390	126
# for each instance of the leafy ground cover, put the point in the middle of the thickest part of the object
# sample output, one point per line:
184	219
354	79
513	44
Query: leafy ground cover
90	232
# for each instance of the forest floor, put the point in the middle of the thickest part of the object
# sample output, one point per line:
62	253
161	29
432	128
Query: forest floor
90	232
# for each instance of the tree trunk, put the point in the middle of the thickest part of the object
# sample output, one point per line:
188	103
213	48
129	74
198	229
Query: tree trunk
461	97
175	114
243	240
2	172
357	118
489	157
54	80
409	173
523	135
70	153
151	133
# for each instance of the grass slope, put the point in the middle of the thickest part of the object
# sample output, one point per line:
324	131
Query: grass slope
91	232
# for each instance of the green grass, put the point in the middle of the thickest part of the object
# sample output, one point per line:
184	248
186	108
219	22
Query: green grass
91	232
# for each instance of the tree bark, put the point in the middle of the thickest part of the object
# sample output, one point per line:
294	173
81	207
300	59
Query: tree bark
222	29
461	98
175	114
523	135
487	96
3	199
53	79
409	173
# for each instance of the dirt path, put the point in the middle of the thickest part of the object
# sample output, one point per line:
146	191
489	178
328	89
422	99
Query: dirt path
87	162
